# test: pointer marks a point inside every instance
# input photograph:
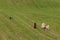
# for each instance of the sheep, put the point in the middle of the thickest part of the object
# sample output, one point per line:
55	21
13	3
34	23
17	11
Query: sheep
43	26
10	17
47	27
35	25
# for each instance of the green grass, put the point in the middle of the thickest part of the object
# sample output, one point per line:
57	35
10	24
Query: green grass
25	13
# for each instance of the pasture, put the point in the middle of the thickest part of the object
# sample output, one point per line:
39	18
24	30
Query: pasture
25	13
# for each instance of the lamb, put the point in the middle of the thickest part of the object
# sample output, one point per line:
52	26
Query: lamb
47	27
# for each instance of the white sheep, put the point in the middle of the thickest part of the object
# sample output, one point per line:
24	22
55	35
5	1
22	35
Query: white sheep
43	25
47	27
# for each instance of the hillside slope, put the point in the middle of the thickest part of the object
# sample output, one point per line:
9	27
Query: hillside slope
25	13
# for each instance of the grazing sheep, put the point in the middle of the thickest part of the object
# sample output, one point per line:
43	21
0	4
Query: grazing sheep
35	25
43	25
10	17
47	27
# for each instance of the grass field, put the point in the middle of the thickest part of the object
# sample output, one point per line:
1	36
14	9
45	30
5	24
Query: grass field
25	13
